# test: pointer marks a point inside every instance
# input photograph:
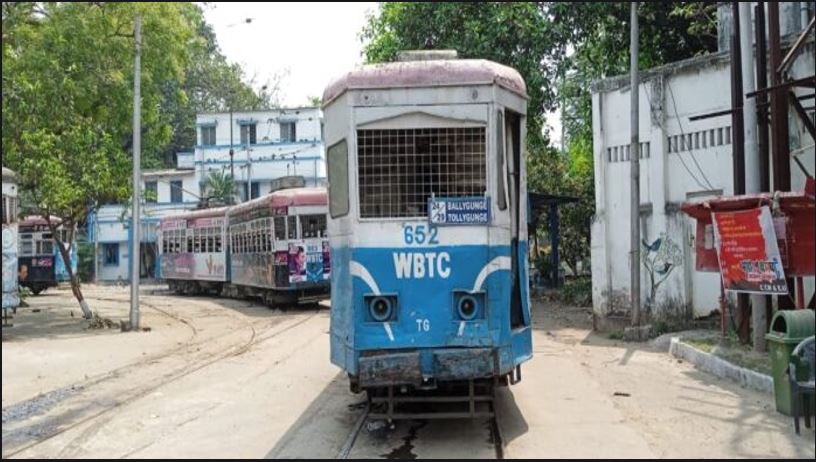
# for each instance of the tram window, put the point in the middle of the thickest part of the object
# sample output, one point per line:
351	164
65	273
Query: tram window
313	225
337	156
291	225
189	244
399	170
280	228
196	241
45	247
217	243
26	246
501	199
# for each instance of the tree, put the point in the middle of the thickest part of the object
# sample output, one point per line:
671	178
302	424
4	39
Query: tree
559	48
67	102
211	84
518	35
314	101
220	187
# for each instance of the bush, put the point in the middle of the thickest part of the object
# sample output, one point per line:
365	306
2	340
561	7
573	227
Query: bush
85	260
577	292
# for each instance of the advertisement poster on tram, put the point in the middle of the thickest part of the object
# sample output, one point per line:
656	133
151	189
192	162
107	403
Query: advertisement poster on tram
308	262
748	252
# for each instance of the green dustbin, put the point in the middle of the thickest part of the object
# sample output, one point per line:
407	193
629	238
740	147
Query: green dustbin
788	328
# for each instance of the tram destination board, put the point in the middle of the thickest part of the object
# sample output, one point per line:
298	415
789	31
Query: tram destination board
459	211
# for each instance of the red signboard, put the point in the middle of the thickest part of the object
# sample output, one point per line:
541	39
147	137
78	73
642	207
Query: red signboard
748	251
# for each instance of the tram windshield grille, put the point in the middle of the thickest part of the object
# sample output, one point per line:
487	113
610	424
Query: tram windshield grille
400	169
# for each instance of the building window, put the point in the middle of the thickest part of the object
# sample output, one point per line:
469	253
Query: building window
208	136
151	191
255	189
110	254
175	192
248	134
288	132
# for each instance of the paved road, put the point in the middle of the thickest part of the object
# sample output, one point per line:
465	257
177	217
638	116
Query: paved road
226	378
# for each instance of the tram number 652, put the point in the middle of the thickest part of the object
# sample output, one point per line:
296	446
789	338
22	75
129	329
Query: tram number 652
423	325
416	234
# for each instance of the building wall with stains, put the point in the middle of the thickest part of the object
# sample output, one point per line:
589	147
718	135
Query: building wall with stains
681	160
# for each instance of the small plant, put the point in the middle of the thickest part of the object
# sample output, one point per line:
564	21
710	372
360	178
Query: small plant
578	292
616	335
23	292
661	327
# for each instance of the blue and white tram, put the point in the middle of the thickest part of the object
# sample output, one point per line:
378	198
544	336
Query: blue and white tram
427	228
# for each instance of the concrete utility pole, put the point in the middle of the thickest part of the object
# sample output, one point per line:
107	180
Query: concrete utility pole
137	146
752	170
634	159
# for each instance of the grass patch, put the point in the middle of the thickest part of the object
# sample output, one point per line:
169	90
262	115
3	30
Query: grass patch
734	352
616	335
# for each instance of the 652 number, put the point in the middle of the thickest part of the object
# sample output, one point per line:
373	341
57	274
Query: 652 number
416	234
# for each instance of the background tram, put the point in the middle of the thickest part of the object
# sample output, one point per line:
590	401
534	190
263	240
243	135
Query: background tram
274	247
40	262
194	251
280	250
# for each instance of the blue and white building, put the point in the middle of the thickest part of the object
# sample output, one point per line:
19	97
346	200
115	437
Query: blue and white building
265	145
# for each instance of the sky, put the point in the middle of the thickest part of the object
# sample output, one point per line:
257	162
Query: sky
309	43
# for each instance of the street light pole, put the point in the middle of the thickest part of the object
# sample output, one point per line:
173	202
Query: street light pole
137	146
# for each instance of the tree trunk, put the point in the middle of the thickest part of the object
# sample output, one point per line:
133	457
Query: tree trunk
66	258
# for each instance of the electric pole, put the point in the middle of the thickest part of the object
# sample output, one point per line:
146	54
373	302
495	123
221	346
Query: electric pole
137	140
634	158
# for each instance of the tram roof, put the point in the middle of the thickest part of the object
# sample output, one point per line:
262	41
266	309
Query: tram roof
433	73
285	198
9	174
202	213
32	220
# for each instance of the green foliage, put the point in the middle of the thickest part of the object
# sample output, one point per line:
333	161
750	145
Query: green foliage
210	84
559	48
314	101
577	292
616	335
85	259
518	35
220	186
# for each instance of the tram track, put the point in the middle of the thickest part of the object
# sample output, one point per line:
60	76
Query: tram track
196	354
354	435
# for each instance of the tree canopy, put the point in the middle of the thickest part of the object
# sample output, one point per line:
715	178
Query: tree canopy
67	101
559	48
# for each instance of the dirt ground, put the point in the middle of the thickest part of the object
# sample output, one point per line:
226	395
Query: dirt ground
225	378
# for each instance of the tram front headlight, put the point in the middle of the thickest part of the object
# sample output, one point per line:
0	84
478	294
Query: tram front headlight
469	305
381	308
